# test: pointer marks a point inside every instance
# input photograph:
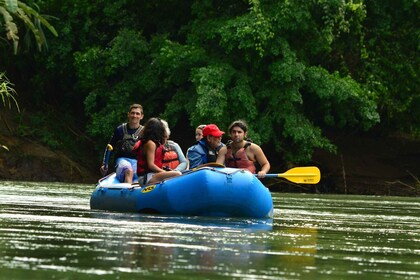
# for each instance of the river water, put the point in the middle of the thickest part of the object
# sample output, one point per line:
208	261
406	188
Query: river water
47	231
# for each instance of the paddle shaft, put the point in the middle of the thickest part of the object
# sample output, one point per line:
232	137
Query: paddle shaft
290	175
107	156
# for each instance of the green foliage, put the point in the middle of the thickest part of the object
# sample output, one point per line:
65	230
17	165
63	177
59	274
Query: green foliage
210	83
337	97
56	130
11	9
118	85
240	60
249	31
292	69
7	92
392	67
304	137
37	127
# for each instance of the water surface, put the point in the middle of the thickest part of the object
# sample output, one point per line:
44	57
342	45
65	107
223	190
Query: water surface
47	231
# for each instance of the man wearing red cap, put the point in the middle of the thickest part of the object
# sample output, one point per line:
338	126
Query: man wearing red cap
206	150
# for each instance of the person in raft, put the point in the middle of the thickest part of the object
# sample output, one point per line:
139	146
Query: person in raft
199	132
206	150
241	153
149	152
198	137
122	141
173	157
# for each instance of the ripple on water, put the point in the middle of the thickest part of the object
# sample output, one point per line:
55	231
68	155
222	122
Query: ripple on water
48	230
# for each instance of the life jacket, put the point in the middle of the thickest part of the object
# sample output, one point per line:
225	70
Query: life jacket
142	167
240	159
210	155
124	147
170	156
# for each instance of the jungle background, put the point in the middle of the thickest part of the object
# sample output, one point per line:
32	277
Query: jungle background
331	83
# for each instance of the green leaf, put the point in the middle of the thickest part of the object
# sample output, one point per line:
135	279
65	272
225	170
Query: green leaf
11	28
11	5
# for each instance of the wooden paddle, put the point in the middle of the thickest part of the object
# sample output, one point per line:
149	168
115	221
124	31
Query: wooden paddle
107	155
300	175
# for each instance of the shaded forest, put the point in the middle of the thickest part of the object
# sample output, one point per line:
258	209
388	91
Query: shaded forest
308	76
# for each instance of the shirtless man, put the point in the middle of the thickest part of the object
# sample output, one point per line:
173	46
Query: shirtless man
240	153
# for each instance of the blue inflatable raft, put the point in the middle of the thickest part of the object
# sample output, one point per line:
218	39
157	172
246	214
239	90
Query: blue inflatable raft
207	191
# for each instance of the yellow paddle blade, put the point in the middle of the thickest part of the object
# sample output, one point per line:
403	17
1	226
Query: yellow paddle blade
109	147
302	175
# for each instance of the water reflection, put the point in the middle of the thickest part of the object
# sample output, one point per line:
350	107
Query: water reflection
187	243
48	231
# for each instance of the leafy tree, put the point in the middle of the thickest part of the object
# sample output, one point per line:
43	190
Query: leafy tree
392	64
293	69
262	61
14	9
11	10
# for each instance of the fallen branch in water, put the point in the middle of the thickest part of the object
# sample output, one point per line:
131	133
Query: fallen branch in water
401	183
415	178
415	188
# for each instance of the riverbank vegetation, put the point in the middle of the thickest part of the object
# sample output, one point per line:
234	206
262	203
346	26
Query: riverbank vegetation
297	71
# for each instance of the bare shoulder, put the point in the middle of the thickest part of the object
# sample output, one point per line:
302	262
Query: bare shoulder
150	144
259	155
223	149
255	148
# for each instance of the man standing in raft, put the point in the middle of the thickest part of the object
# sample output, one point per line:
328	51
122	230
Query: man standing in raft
240	153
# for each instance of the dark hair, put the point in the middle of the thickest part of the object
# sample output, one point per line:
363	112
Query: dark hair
239	123
154	130
136	106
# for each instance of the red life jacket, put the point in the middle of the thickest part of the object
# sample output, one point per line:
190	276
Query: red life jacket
170	156
142	167
240	159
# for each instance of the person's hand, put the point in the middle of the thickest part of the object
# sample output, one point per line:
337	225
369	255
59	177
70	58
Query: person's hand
102	169
261	174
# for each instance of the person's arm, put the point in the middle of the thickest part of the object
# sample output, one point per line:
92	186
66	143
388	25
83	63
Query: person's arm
149	150
112	141
188	161
182	160
194	157
221	156
261	159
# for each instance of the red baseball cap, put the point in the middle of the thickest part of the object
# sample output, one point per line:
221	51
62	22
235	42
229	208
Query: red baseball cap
213	130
